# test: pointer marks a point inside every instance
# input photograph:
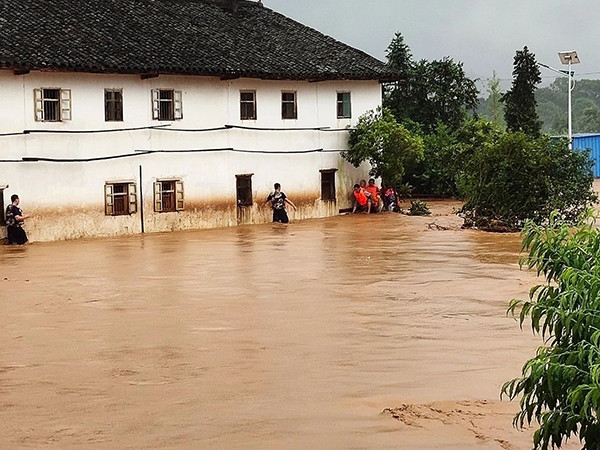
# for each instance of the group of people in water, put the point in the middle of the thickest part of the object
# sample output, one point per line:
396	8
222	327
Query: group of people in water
368	198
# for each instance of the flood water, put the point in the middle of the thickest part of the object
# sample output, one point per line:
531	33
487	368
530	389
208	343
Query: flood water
264	336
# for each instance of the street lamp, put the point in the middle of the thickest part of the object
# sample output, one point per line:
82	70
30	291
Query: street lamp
567	58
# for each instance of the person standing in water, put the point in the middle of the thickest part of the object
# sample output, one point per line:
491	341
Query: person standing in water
14	222
278	200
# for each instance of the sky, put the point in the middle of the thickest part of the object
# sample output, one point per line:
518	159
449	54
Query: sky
482	34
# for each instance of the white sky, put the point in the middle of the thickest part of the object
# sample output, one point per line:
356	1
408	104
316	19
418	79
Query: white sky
483	34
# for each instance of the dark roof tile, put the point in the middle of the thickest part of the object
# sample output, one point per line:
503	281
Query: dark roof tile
197	37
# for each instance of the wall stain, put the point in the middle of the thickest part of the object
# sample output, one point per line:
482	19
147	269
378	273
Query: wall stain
89	221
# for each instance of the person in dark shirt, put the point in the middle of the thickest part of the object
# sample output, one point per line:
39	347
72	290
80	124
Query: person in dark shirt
278	200
14	222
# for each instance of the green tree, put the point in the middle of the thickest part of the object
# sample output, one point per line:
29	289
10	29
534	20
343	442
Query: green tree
520	103
399	55
385	144
494	100
589	122
432	92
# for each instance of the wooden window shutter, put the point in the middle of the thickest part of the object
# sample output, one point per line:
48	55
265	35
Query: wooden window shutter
108	199
178	105
38	105
155	104
132	191
179	195
158	196
65	104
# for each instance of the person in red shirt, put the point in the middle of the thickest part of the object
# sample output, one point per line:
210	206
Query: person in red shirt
361	202
375	194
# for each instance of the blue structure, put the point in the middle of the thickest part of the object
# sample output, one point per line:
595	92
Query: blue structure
589	141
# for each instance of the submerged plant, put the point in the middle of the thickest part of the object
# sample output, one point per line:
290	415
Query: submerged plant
418	208
560	386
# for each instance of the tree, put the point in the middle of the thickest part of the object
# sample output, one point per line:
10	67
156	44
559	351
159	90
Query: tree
590	120
494	100
431	92
399	55
520	103
385	144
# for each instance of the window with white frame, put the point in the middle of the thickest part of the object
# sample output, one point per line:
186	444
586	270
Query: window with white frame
248	105
167	104
289	107
120	198
168	195
344	105
52	104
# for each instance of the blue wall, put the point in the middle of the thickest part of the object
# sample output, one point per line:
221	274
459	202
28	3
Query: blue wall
592	142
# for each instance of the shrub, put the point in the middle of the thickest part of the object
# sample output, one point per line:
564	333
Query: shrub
560	386
418	208
515	177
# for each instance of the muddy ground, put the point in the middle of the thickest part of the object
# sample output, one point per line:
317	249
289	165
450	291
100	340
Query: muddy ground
349	332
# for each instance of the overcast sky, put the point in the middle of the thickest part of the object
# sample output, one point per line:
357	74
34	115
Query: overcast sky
483	34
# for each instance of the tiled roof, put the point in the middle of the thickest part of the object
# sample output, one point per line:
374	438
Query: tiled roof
196	37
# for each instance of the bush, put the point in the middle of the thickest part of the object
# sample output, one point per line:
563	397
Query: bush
560	386
514	177
418	208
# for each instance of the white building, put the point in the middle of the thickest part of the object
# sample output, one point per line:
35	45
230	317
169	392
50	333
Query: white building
123	116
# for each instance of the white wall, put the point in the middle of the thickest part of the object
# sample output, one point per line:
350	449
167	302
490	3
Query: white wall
67	198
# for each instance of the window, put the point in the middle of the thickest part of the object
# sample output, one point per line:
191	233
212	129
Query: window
52	105
344	110
243	185
168	195
289	108
247	105
113	105
167	104
328	184
120	198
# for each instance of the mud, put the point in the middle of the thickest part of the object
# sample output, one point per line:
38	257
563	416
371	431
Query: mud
349	332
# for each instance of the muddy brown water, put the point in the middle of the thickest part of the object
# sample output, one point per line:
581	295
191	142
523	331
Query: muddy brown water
265	336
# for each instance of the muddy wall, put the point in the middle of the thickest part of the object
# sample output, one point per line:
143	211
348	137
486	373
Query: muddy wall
60	169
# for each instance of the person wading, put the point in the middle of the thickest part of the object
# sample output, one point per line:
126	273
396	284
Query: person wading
14	222
278	200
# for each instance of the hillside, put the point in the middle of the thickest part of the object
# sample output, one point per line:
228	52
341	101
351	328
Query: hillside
553	105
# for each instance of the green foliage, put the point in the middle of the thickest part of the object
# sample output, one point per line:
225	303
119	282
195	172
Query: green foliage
385	144
520	103
418	208
433	91
514	177
560	386
445	156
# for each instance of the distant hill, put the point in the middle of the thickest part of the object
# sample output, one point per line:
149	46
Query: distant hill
553	105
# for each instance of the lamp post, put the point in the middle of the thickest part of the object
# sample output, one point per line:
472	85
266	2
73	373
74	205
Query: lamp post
568	58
